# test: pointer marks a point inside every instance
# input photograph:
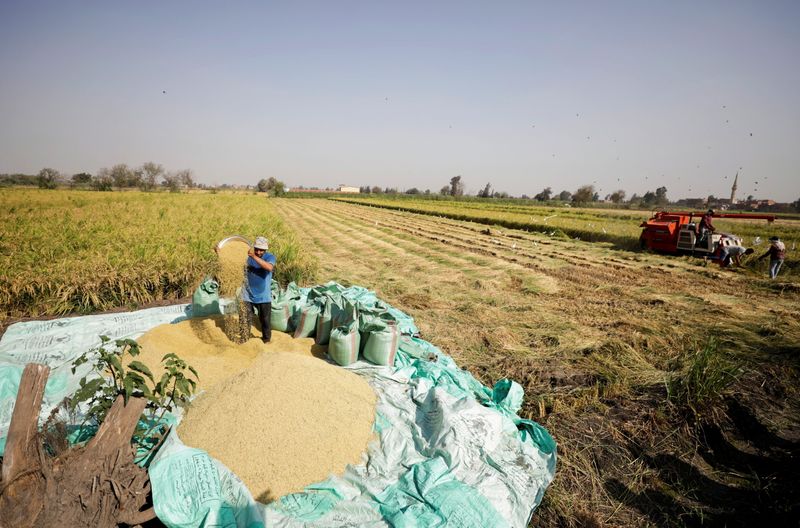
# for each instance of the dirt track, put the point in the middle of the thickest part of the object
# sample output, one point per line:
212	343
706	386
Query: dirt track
592	333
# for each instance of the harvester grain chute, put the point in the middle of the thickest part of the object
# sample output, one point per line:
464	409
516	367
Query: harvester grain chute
676	232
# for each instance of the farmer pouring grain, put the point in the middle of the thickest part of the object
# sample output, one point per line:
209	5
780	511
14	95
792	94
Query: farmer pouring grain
257	290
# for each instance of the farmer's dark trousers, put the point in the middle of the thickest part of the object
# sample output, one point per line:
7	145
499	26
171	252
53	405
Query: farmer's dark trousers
264	310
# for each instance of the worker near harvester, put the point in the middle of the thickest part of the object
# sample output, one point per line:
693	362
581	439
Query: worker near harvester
732	255
705	226
777	254
257	290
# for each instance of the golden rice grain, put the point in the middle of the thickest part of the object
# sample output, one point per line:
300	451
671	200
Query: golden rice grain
286	422
203	345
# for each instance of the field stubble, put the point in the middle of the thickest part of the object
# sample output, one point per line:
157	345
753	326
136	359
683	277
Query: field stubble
619	227
596	336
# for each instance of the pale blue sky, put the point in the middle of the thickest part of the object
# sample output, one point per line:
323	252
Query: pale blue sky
524	95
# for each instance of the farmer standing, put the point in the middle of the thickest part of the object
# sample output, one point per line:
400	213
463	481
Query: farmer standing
257	290
706	226
777	253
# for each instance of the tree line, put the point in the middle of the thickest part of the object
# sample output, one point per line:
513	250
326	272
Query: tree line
584	194
147	177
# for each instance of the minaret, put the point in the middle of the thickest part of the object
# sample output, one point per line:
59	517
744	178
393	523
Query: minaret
733	188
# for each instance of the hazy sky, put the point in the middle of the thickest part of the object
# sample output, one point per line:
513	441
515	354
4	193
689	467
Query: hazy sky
630	95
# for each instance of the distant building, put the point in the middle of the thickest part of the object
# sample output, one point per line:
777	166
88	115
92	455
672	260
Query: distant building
759	204
339	189
308	190
696	203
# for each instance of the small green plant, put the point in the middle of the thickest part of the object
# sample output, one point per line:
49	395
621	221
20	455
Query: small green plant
704	381
134	380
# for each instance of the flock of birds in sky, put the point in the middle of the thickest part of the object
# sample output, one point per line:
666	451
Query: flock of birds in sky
619	180
727	121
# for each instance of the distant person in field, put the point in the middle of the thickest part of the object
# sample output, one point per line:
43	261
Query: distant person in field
706	226
732	255
257	290
777	254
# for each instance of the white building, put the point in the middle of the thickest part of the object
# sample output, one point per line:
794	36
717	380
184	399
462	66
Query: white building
346	189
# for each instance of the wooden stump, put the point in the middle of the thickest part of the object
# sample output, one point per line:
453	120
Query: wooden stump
98	485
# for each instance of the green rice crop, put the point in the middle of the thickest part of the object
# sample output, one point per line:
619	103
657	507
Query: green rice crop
80	251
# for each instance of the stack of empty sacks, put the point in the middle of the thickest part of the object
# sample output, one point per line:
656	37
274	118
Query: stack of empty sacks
351	321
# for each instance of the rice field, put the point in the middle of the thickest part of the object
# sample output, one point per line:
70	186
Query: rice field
669	384
80	251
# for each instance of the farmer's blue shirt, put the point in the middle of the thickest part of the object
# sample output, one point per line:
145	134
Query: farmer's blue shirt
258	285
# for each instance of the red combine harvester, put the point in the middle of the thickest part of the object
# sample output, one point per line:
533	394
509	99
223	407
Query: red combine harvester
676	232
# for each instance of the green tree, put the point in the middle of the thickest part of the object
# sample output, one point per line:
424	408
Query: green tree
82	178
565	196
151	173
186	178
271	186
102	180
486	192
172	181
545	195
584	194
456	186
661	196
48	178
617	196
121	175
649	199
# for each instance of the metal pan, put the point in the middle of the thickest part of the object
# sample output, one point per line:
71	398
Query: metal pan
232	237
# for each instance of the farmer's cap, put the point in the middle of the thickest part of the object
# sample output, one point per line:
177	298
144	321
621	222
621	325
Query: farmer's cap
774	238
711	211
261	243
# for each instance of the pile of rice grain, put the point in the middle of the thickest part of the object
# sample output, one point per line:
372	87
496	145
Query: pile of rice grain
284	423
203	345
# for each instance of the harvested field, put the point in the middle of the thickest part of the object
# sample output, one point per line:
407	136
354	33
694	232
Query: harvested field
669	384
618	226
